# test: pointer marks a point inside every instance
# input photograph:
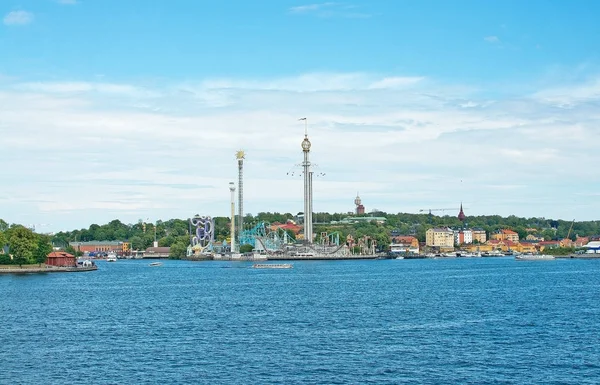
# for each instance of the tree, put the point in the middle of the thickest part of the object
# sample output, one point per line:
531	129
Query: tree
2	241
137	243
23	245
3	225
246	248
44	247
178	250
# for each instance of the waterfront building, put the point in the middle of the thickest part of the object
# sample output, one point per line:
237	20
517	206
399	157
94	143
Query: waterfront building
60	258
527	247
548	245
506	235
439	237
157	252
479	235
404	244
101	246
462	237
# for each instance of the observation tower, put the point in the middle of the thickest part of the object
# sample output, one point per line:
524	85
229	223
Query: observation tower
232	230
308	196
240	155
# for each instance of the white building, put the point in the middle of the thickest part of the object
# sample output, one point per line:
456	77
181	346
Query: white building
463	237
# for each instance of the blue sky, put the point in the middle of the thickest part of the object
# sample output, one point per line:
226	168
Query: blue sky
134	109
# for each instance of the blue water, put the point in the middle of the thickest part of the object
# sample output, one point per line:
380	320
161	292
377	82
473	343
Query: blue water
457	321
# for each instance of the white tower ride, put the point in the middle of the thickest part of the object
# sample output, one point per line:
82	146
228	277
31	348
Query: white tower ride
308	224
240	158
232	189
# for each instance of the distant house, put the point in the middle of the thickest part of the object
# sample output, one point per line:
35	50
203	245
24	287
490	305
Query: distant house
60	258
289	226
581	241
531	237
506	235
404	244
549	245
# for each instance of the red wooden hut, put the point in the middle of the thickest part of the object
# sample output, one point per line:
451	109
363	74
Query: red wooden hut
60	258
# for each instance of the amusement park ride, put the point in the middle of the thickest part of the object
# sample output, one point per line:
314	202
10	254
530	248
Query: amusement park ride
273	240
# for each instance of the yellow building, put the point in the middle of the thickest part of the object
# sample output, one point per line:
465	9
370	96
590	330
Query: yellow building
506	235
439	237
479	235
479	248
526	248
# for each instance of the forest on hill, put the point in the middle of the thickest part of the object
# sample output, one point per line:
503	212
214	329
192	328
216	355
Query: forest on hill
175	232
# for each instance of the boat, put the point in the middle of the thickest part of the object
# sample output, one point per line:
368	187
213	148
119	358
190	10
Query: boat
534	257
111	257
155	264
272	266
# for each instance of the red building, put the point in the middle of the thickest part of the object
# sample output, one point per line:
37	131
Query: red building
360	209
60	258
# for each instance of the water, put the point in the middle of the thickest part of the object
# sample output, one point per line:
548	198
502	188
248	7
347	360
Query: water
457	321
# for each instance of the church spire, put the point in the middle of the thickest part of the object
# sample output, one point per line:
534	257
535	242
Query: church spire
461	214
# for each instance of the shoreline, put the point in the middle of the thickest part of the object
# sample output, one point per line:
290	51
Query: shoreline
45	269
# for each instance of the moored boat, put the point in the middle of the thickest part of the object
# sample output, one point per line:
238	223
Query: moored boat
534	257
272	266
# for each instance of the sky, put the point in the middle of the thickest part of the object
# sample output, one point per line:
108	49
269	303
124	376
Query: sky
135	109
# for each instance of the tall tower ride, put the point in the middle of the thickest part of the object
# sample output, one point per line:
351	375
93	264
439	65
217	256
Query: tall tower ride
232	230
308	199
240	155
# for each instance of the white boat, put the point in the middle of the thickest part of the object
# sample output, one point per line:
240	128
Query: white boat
272	266
400	257
534	257
111	257
155	264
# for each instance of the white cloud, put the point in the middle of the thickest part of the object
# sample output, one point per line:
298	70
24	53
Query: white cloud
85	87
18	18
311	7
92	151
330	9
492	39
569	95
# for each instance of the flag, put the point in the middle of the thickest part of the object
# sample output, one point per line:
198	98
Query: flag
302	119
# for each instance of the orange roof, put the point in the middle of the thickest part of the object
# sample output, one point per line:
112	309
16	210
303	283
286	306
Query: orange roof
508	231
60	254
404	238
